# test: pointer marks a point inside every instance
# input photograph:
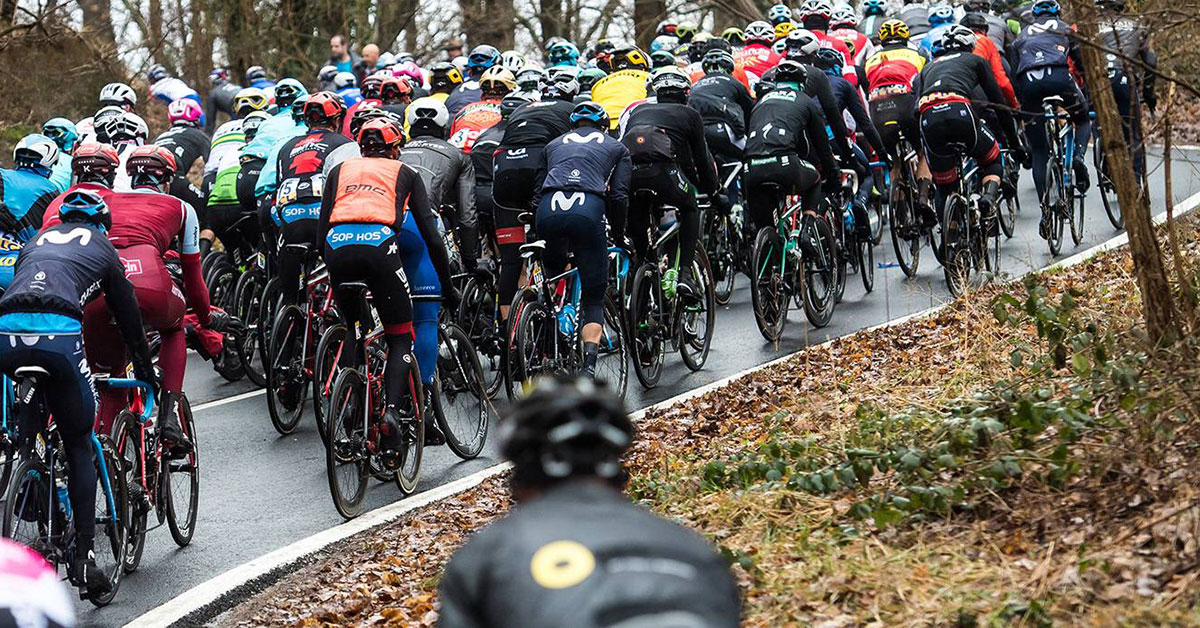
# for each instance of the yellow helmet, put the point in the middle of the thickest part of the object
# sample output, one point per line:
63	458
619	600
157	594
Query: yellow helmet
630	59
497	80
782	29
893	31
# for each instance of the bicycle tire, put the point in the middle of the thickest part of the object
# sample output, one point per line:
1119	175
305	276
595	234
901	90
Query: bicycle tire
901	217
477	315
1076	216
1054	192
768	287
221	284
285	411
408	472
818	307
347	450
25	502
325	372
612	366
724	270
513	378
866	264
126	433
247	297
702	274
536	333
187	469
110	525
1104	183
645	320
956	266
459	390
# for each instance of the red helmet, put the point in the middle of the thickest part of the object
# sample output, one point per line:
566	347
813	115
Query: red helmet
151	161
93	158
395	89
324	109
379	136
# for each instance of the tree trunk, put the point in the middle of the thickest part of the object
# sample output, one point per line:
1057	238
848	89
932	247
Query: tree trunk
97	21
392	17
488	22
646	16
154	34
1158	306
8	13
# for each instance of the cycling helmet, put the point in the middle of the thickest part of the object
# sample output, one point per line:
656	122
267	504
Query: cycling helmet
218	74
562	86
325	76
789	71
563	53
630	58
95	163
566	428
555	71
371	84
298	109
404	57
118	94
531	79
663	42
734	35
150	164
783	29
324	109
250	99
829	59
255	73
717	62
760	33
602	47
427	114
496	82
765	85
683	52
778	14
86	206
1045	8
802	43
941	14
127	128
184	111
669	84
386	60
700	40
482	58
661	59
588	78
956	38
36	151
552	42
589	113
686	31
893	32
409	70
287	91
665	27
157	73
843	17
253	120
779	47
512	102
512	61
975	21
394	90
63	132
874	7
444	76
344	80
365	113
33	595
818	9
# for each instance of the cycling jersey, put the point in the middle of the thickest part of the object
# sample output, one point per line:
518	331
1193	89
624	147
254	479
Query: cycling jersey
858	44
788	121
220	99
24	197
61	174
850	103
926	43
536	123
721	98
756	59
223	163
985	48
997	29
350	95
1046	43
617	90
303	164
462	96
954	78
916	16
891	71
171	88
449	180
472	120
272	131
187	143
685	128
581	551
587	160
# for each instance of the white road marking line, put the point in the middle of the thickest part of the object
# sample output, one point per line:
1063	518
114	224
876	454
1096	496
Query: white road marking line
212	590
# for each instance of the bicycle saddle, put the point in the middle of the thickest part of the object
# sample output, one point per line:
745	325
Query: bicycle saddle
32	372
354	287
533	248
1053	100
525	218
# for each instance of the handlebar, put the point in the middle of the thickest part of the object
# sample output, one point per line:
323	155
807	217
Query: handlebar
147	399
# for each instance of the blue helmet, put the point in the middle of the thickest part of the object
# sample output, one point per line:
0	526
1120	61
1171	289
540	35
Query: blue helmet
482	58
563	53
63	132
874	7
589	112
1046	8
941	14
663	42
86	206
288	91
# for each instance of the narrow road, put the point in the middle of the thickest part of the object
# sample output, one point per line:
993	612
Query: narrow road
260	491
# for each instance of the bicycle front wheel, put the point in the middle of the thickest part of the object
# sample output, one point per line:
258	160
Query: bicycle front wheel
412	436
181	482
1055	203
329	354
477	313
286	389
956	256
821	274
768	289
247	306
697	316
612	365
126	433
346	454
460	401
111	529
1104	183
646	336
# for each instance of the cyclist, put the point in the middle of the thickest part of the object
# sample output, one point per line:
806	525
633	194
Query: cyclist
563	53
582	186
481	59
345	85
25	193
395	95
529	130
223	210
448	176
117	95
816	16
588	77
304	162
626	83
786	136
482	161
188	144
256	77
444	78
915	14
31	595
1126	34
1046	57
671	160
843	25
941	17
997	29
473	118
756	57
124	131
874	15
363	211
802	47
724	104
168	89
256	154
986	48
41	314
221	96
778	14
582	549
66	136
945	86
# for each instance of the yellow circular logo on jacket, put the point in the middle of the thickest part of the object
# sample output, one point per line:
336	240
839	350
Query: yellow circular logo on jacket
561	564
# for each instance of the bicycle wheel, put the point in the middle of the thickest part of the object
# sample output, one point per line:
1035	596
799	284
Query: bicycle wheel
477	315
697	317
612	365
1010	204
27	506
181	482
956	256
460	403
269	304
768	288
820	274
902	222
510	365
126	432
536	329
724	267
1053	203
412	435
346	456
1104	183
111	530
247	299
221	286
647	331
1075	215
866	264
329	353
286	385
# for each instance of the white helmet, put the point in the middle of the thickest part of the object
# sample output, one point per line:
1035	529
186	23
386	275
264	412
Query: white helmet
342	80
760	32
118	94
531	79
427	111
843	16
512	61
127	128
37	150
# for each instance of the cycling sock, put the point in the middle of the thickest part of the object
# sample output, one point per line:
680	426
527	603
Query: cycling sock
399	361
591	353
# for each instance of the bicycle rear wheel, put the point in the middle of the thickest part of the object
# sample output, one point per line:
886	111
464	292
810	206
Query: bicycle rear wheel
768	288
460	403
286	389
412	435
902	222
477	314
181	482
724	267
126	432
612	366
111	530
346	456
535	329
956	256
866	264
697	317
1075	215
1054	203
329	353
27	506
821	274
1104	183
247	299
646	333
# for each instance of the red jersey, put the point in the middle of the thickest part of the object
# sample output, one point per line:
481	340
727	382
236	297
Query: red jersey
890	72
142	217
986	48
473	120
858	44
755	60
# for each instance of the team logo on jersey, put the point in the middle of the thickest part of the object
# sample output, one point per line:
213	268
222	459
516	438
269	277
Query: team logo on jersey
83	234
577	138
561	201
561	564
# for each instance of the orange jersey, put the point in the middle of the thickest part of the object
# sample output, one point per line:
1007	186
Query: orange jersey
473	120
986	48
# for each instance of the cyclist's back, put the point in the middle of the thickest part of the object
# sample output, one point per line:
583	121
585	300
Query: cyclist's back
724	104
449	179
916	16
220	98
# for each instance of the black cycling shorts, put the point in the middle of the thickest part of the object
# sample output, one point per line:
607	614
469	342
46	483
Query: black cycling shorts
947	129
246	180
573	222
513	173
894	118
768	177
367	253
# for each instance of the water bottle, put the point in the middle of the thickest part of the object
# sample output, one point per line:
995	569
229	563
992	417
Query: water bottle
64	500
669	282
848	220
566	319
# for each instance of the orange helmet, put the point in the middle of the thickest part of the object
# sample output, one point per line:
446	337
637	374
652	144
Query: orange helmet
379	137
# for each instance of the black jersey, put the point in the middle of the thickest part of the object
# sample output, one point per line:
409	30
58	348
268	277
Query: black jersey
304	159
685	127
722	98
536	123
788	121
188	143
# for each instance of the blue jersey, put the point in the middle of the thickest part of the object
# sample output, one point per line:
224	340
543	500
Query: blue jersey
1045	43
350	95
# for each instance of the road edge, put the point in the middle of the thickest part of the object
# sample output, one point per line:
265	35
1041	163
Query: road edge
208	599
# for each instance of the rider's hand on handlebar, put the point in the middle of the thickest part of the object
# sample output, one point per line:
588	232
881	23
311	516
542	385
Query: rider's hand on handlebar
146	373
224	322
450	297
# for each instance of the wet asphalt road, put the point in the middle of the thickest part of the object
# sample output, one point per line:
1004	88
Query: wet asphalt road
260	491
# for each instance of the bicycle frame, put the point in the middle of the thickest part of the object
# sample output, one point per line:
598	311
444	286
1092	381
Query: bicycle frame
141	403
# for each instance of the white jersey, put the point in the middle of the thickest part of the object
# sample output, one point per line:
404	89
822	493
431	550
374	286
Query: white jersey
171	89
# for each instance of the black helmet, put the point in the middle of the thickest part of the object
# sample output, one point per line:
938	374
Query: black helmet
789	71
718	61
512	102
566	428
